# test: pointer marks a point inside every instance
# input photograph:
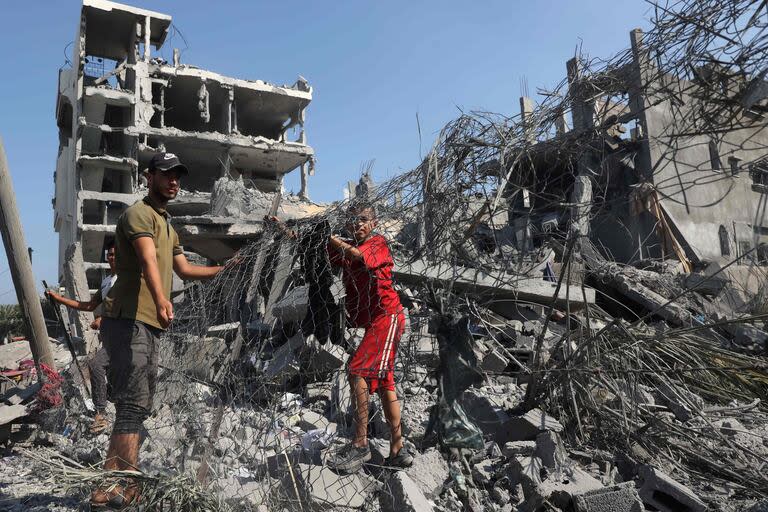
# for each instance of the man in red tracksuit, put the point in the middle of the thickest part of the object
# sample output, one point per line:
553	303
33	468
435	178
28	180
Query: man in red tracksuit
372	303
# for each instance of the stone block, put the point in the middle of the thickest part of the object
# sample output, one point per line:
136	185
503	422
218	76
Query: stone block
329	357
528	426
284	363
619	498
401	494
326	490
292	307
514	448
494	361
665	494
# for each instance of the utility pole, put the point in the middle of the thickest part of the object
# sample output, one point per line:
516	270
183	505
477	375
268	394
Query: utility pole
21	266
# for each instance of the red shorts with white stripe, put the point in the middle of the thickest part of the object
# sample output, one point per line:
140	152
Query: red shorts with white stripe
374	359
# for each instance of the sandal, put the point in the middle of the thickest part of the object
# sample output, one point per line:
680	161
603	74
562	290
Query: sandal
116	497
99	425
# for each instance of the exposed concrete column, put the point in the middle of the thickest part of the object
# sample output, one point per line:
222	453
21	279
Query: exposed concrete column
76	284
583	120
147	34
526	113
304	193
305	167
649	152
581	110
640	104
228	104
21	266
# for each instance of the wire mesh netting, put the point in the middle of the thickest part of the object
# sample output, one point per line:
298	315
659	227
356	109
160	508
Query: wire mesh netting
512	243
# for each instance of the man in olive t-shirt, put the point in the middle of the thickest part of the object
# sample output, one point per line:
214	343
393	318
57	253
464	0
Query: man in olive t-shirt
137	309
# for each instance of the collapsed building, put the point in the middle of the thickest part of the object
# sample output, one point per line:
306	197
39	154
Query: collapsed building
120	103
648	182
586	318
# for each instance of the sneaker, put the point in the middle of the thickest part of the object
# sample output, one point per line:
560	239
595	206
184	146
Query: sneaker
403	459
350	458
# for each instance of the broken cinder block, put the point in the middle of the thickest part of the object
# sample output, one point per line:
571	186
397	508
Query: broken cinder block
619	498
665	494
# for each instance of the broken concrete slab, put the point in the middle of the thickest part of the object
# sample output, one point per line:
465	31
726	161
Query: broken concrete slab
429	471
475	280
401	494
660	491
341	396
310	420
20	394
683	403
618	498
10	413
528	426
324	489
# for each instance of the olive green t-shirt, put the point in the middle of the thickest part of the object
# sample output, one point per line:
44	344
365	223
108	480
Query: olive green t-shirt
130	297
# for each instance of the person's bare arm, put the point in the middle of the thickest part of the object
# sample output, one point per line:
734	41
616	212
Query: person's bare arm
75	304
145	250
347	249
187	271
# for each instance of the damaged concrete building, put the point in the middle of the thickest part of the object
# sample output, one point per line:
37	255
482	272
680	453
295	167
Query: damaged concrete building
672	189
120	103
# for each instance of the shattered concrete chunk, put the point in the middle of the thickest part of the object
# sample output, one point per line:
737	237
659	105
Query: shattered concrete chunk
683	404
494	362
487	412
514	448
292	307
328	358
550	449
528	426
557	487
429	471
401	494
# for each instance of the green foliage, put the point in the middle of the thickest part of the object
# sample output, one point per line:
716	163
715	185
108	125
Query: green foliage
11	320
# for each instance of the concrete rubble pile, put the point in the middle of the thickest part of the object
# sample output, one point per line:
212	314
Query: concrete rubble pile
586	326
551	439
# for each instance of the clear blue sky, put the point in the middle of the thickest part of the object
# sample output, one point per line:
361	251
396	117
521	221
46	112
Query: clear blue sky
373	66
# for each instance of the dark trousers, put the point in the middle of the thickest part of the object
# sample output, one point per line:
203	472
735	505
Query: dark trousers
133	358
97	367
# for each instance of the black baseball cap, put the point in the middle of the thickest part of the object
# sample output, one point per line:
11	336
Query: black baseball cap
165	162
